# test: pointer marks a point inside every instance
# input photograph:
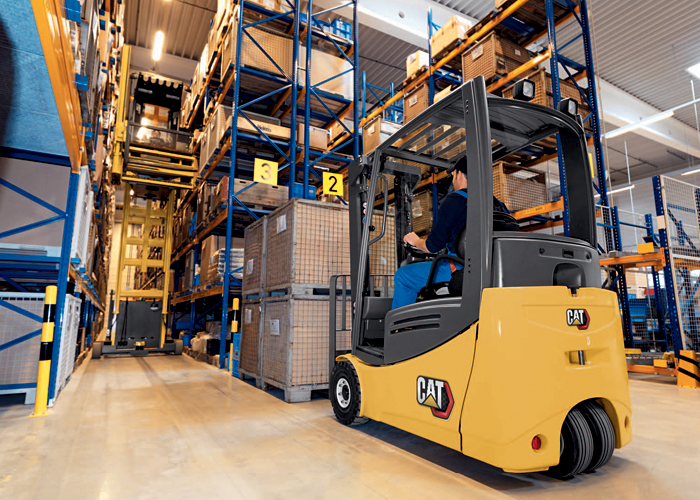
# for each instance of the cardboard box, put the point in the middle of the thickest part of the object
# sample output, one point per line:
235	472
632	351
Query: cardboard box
337	129
416	62
270	130
209	247
416	101
452	32
377	131
273	5
318	137
493	56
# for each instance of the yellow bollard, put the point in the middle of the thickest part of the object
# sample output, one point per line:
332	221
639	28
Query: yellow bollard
234	331
688	370
42	383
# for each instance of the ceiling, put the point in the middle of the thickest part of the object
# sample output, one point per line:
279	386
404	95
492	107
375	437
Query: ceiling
184	22
627	55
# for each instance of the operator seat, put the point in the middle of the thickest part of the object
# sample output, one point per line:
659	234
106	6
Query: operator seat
453	288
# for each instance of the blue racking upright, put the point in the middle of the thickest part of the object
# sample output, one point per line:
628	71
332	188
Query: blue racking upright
276	92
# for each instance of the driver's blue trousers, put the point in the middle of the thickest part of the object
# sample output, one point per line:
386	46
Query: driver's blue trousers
409	279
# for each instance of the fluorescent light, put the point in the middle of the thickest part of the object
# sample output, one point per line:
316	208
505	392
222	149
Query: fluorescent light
158	46
691	172
695	71
643	123
619	190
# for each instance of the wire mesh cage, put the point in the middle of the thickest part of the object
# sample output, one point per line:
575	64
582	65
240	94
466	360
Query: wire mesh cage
69	337
307	242
682	223
295	340
648	313
250	337
253	256
19	362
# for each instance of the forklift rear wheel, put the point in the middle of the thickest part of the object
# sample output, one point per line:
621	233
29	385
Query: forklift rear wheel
345	394
576	449
178	347
97	350
602	431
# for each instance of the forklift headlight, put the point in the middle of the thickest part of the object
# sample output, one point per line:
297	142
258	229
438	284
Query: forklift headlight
568	106
524	90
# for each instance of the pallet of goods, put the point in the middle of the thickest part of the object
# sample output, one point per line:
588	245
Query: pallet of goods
519	187
493	57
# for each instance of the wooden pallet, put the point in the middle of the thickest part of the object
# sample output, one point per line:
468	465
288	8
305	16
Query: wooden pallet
454	64
295	393
414	77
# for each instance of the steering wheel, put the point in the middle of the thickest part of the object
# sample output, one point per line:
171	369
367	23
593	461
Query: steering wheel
417	252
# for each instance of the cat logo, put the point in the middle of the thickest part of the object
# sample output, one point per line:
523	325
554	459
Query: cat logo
436	395
578	318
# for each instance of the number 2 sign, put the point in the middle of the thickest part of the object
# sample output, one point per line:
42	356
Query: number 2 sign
332	184
265	171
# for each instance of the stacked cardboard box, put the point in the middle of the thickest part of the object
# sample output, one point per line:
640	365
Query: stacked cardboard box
492	57
377	131
449	36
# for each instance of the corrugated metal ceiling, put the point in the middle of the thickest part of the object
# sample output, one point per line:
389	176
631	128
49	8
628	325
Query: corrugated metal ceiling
185	24
644	48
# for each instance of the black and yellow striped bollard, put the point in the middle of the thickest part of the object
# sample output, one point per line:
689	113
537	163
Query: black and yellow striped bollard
45	352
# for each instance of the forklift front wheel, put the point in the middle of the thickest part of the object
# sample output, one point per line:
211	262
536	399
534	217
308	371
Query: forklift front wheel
178	347
97	350
345	394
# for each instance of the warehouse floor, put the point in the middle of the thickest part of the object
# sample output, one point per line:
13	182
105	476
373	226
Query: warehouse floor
169	428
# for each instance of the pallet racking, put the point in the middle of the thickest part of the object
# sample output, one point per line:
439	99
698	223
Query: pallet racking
298	98
70	74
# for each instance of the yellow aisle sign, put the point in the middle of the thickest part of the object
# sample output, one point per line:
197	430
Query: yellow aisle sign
333	184
265	171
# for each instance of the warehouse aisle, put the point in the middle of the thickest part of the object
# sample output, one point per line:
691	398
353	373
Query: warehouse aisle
171	428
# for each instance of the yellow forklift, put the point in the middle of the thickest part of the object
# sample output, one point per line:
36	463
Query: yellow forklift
519	360
150	163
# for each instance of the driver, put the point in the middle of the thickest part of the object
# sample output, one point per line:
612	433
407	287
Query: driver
452	215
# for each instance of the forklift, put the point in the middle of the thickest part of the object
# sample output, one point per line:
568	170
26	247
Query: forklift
150	163
519	360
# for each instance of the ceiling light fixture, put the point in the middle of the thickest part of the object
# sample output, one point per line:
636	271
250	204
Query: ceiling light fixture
619	190
643	123
691	172
158	46
695	71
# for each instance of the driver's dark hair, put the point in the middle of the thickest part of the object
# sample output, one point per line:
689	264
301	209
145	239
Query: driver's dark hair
461	165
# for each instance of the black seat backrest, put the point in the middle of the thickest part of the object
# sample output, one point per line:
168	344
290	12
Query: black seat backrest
501	222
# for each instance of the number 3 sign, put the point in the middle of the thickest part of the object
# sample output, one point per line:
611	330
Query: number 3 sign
332	184
265	171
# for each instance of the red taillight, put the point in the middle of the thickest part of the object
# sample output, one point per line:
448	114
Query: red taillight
536	443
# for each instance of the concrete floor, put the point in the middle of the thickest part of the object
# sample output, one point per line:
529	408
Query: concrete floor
171	428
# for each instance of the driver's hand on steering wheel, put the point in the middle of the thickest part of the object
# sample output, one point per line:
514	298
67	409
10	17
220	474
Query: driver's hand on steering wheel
412	239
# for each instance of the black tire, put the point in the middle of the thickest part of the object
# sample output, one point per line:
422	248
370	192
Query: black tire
577	447
344	393
178	347
602	431
97	350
